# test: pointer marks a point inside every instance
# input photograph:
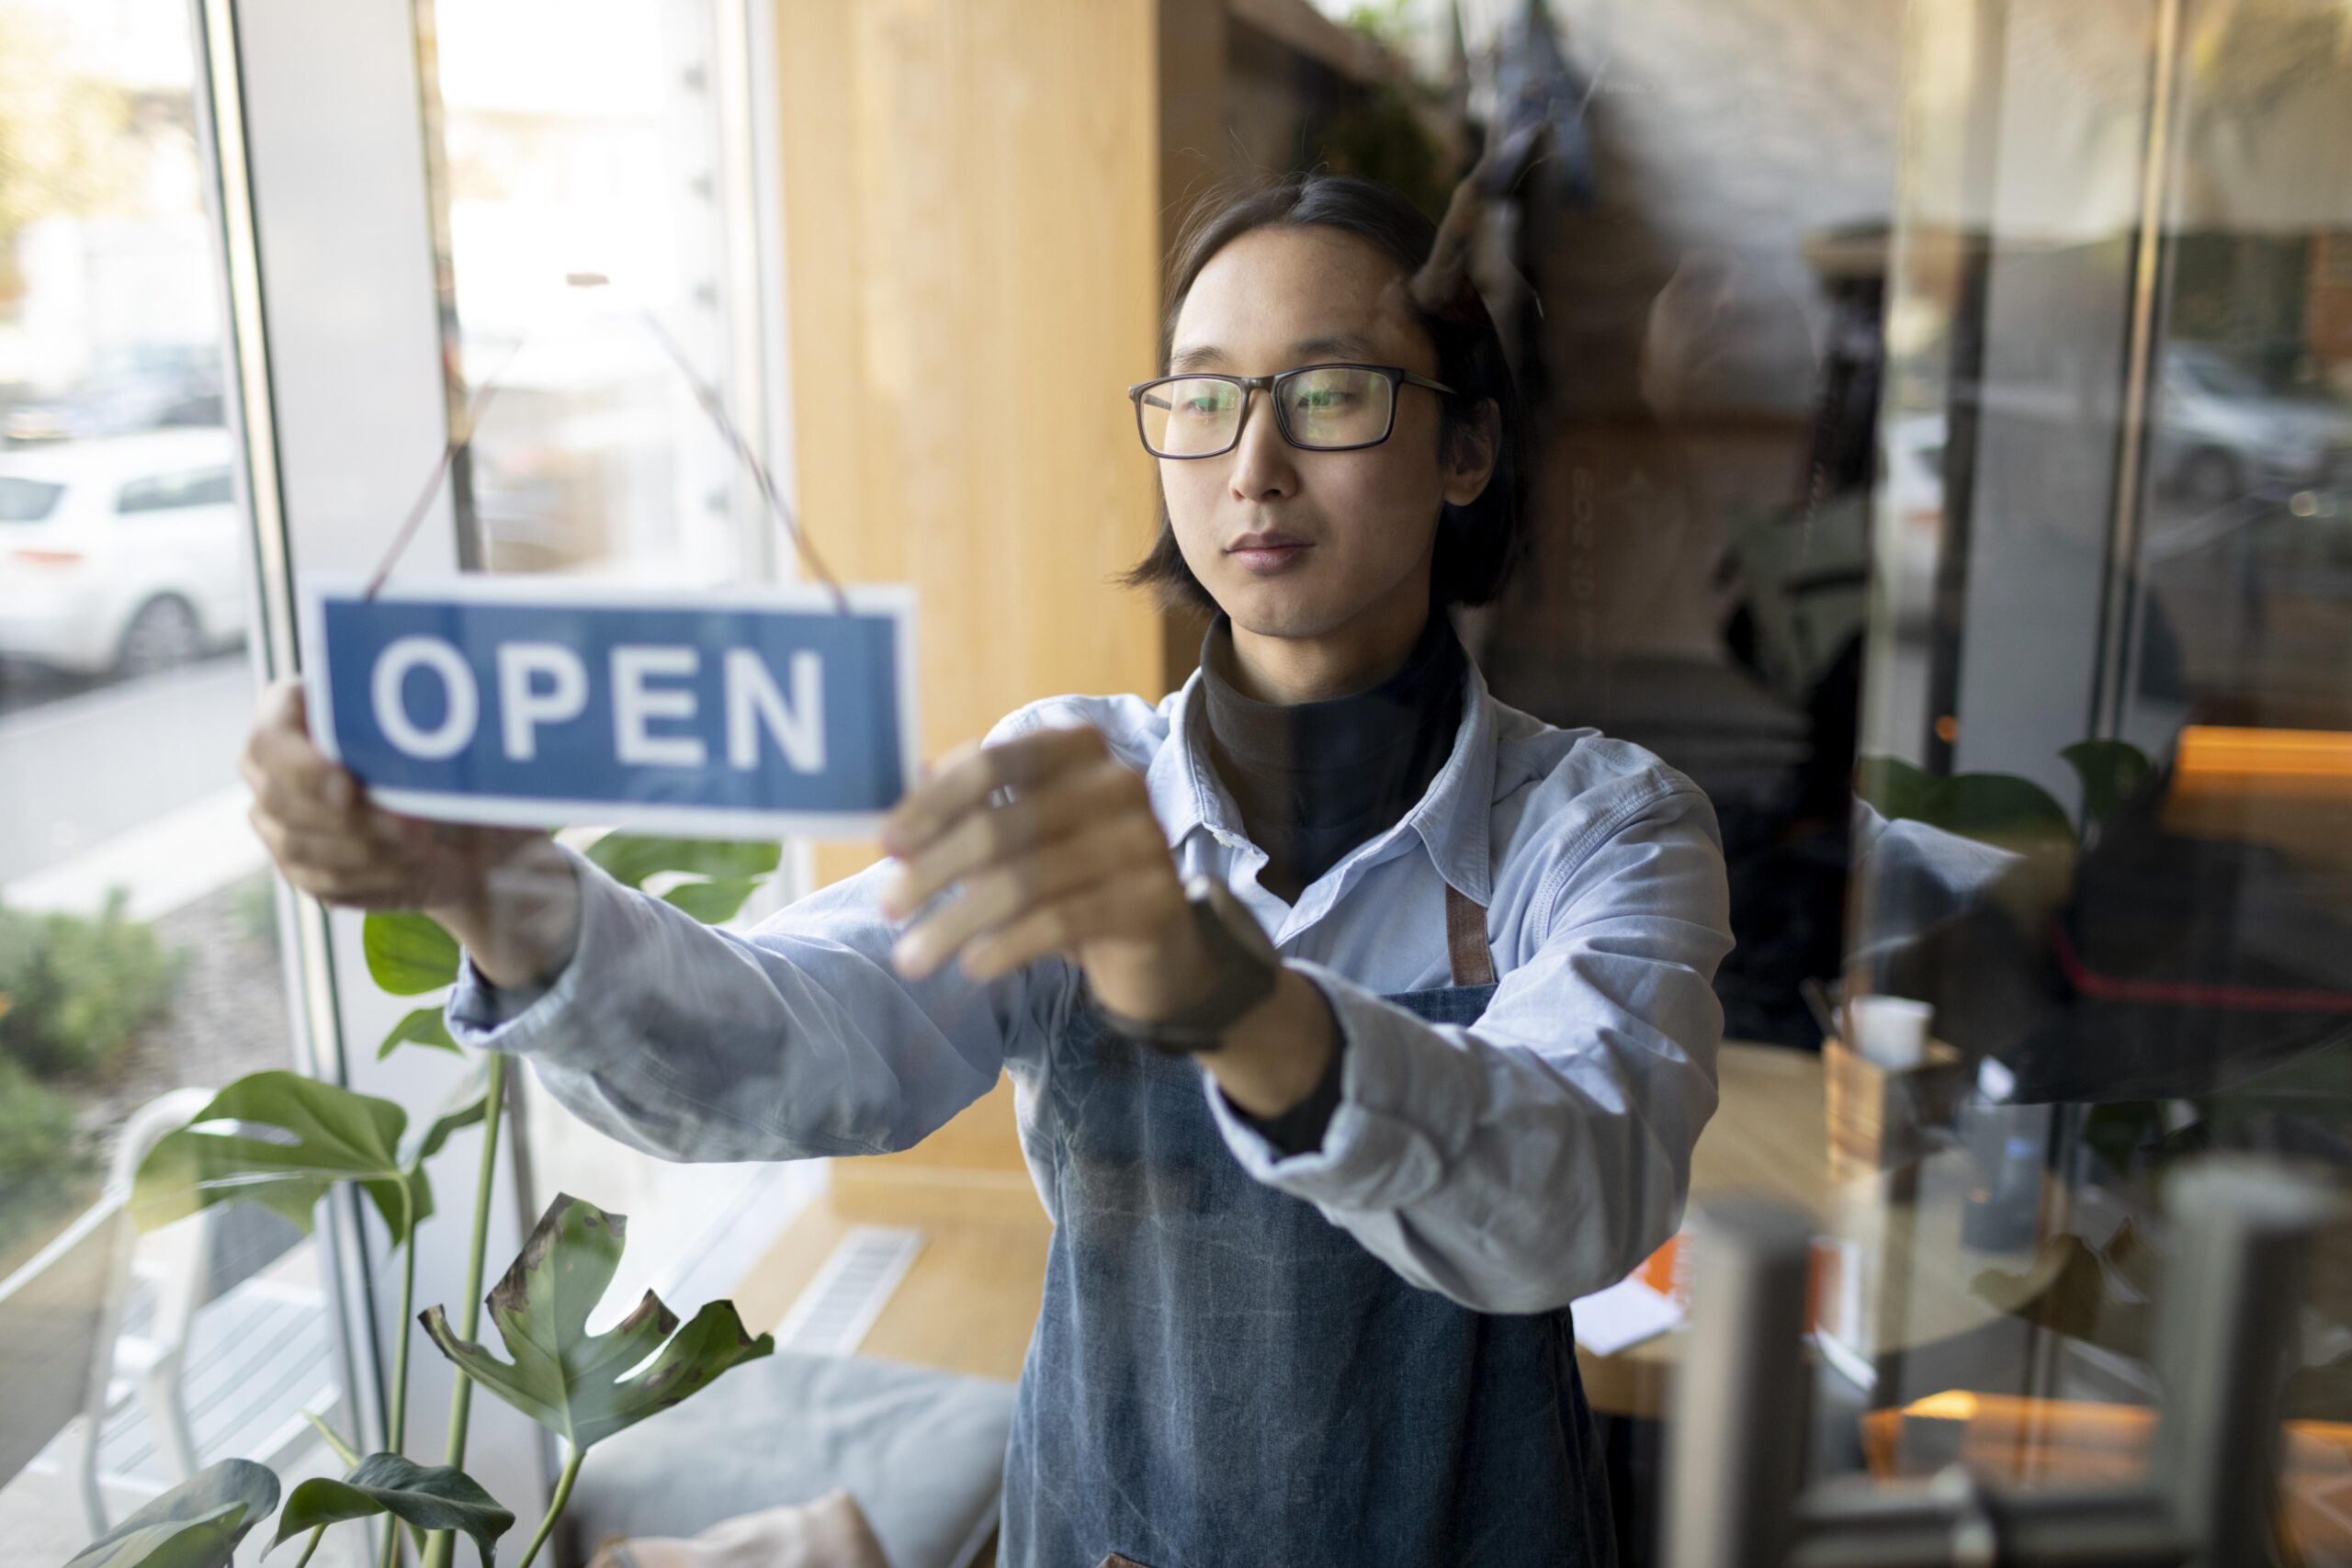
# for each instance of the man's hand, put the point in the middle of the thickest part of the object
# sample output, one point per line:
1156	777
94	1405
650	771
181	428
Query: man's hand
1050	846
505	893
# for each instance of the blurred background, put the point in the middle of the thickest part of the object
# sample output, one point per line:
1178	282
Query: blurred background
1941	421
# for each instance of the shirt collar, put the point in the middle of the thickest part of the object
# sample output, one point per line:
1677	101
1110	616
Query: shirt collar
1451	817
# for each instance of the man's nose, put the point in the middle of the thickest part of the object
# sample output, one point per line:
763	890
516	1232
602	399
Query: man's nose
1262	464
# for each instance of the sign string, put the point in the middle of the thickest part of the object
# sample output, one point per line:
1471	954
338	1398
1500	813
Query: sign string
704	395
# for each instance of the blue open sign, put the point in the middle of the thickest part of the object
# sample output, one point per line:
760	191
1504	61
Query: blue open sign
529	701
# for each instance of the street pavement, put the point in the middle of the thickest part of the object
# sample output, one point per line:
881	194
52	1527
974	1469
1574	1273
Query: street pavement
79	774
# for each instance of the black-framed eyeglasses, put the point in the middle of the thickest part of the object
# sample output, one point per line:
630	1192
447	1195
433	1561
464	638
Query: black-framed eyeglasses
1321	408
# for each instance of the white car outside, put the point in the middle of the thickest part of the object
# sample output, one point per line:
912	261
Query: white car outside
2221	433
125	553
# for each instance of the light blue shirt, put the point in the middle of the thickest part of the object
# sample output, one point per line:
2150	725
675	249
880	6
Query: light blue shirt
1514	1165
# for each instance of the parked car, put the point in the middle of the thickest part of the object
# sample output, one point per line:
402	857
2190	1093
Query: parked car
123	554
2222	433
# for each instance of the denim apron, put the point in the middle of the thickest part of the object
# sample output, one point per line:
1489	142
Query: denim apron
1221	1377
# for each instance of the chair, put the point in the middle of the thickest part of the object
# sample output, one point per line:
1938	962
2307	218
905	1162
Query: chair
921	1451
61	1313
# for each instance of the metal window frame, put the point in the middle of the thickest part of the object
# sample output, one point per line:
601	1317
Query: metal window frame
316	128
310	127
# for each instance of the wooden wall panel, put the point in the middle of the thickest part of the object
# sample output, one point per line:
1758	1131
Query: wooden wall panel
972	236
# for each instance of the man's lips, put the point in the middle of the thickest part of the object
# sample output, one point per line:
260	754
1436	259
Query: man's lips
1267	552
1269	541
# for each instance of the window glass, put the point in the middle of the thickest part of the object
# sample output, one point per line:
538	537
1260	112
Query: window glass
587	213
140	968
2108	727
26	501
168	492
579	143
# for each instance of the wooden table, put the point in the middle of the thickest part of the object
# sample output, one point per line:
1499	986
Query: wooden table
1769	1139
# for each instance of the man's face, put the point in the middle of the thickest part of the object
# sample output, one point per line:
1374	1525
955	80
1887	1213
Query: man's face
1302	544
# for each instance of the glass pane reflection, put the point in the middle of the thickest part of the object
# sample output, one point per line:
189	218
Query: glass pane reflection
2107	776
140	968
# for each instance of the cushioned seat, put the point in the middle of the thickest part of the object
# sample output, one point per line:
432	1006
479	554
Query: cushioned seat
921	1451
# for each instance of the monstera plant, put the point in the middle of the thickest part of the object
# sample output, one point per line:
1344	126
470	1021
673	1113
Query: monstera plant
284	1141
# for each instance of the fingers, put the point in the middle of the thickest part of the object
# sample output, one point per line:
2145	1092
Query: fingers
313	816
1076	799
288	775
968	776
284	702
1111	853
311	849
353	869
1135	906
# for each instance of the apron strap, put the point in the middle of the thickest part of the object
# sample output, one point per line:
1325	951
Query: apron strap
1465	939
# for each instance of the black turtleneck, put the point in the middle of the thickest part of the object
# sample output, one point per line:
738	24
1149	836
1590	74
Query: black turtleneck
1314	780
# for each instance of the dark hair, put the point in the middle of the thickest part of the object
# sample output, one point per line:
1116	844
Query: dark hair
1477	544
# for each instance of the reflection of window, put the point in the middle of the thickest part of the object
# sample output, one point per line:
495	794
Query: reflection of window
594	148
171	492
26	501
2104	776
140	970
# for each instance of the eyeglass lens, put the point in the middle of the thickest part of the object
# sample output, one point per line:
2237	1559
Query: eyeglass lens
1325	407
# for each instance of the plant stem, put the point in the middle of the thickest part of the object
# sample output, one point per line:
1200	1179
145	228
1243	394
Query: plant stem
444	1544
403	1327
312	1550
555	1504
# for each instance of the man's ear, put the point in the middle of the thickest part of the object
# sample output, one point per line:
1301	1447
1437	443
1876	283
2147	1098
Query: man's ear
1472	453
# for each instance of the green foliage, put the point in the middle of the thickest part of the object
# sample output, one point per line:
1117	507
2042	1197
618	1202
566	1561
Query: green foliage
334	1439
572	1381
195	1525
466	1105
2111	772
41	1155
725	873
78	989
409	954
320	1134
422	1027
713	901
633	859
254	904
436	1497
1997	809
1387	22
283	1140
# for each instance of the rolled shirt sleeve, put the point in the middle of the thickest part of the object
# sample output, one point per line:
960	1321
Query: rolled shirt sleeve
794	1040
1541	1152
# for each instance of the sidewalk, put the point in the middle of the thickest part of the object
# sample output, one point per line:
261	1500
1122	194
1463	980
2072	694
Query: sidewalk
78	773
164	865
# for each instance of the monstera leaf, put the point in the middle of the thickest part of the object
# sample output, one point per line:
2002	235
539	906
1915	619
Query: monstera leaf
440	1497
195	1525
323	1134
567	1380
